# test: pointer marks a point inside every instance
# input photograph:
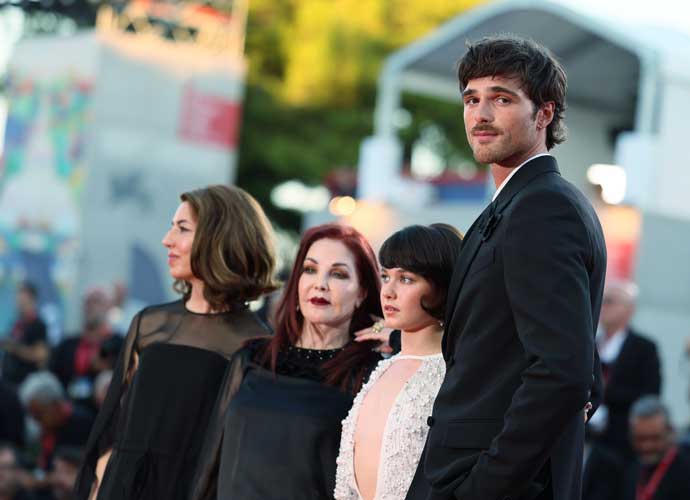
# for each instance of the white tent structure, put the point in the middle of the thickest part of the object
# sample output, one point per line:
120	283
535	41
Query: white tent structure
628	104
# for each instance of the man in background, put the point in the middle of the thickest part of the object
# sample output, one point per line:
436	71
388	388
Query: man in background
661	470
26	348
61	422
11	474
630	367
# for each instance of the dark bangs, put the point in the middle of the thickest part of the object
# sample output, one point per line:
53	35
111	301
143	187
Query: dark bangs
430	252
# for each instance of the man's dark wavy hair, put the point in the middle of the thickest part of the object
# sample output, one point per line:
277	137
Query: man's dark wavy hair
542	76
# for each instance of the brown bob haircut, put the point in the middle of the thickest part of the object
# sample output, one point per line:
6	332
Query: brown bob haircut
542	76
353	363
233	251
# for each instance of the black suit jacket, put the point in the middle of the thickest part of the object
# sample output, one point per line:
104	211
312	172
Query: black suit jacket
522	311
634	373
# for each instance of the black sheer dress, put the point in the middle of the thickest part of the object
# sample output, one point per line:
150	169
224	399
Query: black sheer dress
163	394
281	432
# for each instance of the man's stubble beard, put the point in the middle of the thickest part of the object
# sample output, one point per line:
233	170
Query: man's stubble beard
493	153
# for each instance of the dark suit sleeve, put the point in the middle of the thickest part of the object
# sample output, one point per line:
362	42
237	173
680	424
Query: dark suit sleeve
547	257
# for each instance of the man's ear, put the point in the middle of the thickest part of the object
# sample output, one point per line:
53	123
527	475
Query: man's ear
545	114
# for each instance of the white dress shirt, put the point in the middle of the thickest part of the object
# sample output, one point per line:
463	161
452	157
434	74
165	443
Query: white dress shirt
610	348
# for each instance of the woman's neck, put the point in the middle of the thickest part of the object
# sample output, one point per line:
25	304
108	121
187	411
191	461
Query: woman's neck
197	302
422	342
321	336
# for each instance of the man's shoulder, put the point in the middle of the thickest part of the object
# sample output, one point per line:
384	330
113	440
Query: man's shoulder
551	194
681	468
641	340
684	455
552	185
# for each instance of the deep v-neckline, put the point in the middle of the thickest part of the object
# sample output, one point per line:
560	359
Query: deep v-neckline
386	426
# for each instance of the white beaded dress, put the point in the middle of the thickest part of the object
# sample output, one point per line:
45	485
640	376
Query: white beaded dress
404	434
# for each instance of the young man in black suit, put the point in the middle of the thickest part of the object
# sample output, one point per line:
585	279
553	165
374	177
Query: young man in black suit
524	299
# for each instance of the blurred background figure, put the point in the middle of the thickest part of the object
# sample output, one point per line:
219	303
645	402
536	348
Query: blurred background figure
79	359
11	475
26	348
60	421
65	470
122	308
11	416
630	367
97	304
602	473
662	468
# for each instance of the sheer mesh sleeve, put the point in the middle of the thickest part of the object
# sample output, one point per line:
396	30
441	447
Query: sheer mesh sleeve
103	431
206	480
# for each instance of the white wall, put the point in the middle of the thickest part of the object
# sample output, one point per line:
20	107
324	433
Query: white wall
587	143
672	173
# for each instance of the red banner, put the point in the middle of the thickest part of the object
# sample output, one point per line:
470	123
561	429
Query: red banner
209	119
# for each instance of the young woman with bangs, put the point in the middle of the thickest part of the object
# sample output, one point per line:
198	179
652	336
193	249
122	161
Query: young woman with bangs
146	441
384	432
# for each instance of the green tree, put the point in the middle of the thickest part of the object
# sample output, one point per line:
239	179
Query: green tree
311	88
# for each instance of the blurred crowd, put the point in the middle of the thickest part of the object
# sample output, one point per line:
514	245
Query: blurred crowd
50	395
632	450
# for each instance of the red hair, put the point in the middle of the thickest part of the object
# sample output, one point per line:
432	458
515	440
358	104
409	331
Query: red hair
349	368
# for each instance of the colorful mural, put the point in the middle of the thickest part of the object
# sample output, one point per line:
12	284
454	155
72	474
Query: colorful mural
41	179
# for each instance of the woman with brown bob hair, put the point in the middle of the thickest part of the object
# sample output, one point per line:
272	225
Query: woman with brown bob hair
280	435
147	438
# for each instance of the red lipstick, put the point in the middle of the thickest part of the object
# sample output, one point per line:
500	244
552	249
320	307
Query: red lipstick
319	301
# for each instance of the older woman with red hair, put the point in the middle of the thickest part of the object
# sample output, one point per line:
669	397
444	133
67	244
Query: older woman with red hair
287	395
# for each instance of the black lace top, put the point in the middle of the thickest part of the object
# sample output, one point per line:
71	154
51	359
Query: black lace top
303	363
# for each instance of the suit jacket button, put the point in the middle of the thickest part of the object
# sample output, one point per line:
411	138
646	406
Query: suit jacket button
430	421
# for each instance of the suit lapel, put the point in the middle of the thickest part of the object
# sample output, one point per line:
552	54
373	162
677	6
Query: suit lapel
481	230
471	244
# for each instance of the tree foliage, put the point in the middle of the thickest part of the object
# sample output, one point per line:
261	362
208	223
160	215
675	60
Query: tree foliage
313	66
